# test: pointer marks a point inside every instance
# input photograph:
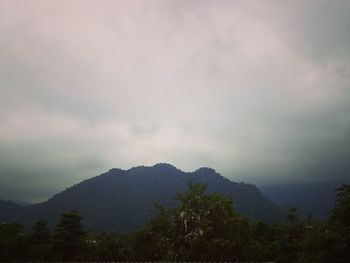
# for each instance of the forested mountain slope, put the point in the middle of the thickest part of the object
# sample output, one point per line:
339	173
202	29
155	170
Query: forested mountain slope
123	200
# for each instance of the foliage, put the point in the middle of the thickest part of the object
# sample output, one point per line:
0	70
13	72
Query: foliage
40	241
207	227
154	241
341	212
339	225
69	237
13	242
203	227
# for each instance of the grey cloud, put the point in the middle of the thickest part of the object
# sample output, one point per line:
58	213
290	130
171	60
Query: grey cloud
316	28
257	90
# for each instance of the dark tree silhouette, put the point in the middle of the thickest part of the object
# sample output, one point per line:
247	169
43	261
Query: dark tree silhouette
40	233
40	241
203	227
13	242
339	224
69	237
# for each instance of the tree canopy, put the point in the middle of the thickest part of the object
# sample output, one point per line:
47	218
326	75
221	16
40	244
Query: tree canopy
203	227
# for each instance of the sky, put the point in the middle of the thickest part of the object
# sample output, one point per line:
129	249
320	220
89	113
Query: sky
258	90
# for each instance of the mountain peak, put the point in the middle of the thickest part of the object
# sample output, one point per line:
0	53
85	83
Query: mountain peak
164	166
206	171
114	171
159	168
122	200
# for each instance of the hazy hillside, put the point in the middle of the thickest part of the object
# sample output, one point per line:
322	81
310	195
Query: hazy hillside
122	200
314	198
9	211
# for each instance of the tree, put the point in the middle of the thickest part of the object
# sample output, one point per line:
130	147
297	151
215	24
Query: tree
207	227
340	214
156	240
313	246
40	241
289	237
40	233
263	245
14	245
109	248
202	227
339	226
69	237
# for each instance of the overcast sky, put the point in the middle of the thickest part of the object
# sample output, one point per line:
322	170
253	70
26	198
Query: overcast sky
258	90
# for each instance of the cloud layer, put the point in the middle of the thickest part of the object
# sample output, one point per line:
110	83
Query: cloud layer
258	90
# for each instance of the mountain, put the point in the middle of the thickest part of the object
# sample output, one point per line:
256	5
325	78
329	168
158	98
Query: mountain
123	200
21	203
9	211
316	198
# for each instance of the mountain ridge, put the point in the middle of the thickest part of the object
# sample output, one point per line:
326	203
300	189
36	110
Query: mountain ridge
123	200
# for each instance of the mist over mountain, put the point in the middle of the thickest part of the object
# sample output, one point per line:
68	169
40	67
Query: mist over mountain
123	200
316	198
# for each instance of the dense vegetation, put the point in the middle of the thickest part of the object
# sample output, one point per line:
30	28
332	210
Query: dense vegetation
203	227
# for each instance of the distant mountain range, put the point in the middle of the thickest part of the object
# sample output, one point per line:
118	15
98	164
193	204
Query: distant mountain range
316	198
123	200
9	210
